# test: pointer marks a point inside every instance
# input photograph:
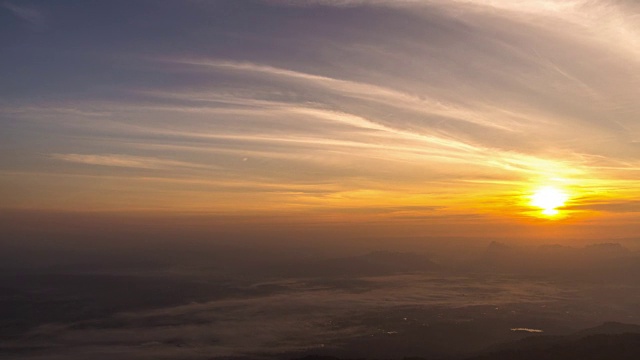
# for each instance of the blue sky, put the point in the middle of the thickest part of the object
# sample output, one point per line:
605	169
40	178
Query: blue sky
385	109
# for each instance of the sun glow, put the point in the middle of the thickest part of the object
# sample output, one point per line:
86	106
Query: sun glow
549	198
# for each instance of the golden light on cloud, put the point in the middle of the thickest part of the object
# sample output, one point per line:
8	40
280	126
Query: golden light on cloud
549	199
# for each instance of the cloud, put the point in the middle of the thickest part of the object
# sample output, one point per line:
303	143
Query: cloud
304	316
31	15
614	206
439	98
361	90
126	161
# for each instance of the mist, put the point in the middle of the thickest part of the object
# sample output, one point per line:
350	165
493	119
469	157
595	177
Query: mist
319	180
103	286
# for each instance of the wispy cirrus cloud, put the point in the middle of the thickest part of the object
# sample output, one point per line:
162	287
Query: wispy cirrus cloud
487	97
34	17
126	161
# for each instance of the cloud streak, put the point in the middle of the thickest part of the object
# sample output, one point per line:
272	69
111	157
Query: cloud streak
490	98
125	161
31	15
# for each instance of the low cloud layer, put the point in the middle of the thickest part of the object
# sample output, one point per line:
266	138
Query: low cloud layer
331	315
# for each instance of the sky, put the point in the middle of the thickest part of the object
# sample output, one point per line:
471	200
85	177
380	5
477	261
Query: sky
397	117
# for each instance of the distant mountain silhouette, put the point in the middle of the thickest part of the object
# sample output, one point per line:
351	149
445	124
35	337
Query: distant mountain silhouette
371	264
597	261
496	246
610	248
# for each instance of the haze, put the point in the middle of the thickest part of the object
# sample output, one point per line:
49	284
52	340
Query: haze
251	178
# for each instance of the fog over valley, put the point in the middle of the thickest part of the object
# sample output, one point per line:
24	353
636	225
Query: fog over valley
257	301
320	179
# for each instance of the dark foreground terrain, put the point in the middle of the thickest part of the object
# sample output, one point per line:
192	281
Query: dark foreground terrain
614	343
606	342
501	303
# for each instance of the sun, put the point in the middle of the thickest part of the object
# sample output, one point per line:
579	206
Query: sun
549	198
